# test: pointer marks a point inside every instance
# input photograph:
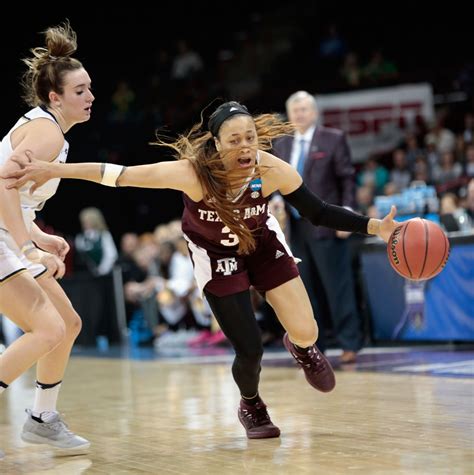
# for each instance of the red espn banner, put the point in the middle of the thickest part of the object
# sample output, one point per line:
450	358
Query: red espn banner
377	119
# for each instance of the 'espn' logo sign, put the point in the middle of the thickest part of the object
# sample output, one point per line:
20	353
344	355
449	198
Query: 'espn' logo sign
370	120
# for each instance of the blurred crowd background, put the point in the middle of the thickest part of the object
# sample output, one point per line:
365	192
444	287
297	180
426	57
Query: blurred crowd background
156	68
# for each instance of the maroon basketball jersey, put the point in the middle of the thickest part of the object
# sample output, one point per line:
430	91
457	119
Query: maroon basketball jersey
203	226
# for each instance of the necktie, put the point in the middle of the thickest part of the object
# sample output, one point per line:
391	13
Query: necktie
302	157
299	169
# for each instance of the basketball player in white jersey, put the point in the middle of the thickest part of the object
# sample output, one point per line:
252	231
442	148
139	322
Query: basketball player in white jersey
227	177
58	88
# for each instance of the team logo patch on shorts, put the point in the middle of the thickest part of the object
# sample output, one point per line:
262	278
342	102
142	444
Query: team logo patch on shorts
226	266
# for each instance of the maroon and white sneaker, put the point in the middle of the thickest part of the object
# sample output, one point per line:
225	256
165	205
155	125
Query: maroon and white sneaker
256	421
317	368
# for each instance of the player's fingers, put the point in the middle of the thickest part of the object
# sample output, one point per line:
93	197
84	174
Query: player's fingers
61	269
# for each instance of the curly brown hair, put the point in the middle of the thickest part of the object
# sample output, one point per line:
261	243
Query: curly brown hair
198	146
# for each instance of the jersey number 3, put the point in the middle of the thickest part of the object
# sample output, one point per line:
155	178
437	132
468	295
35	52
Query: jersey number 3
232	239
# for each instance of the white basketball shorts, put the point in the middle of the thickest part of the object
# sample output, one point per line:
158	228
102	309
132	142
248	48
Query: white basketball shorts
12	262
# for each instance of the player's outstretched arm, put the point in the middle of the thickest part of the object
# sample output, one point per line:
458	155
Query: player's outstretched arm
178	175
284	178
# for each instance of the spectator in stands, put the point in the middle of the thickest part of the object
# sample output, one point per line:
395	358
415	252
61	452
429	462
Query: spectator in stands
422	170
413	150
140	290
459	149
332	46
452	216
96	255
442	138
390	189
448	169
469	165
469	206
131	272
468	132
374	175
122	103
95	245
351	72
433	157
128	245
187	62
400	174
379	69
364	198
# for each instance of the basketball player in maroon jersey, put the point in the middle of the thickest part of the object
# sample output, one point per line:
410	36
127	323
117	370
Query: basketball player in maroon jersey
227	177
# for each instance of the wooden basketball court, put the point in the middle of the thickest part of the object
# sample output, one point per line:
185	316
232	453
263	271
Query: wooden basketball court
179	417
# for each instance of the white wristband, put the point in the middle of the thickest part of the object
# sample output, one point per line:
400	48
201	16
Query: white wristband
111	174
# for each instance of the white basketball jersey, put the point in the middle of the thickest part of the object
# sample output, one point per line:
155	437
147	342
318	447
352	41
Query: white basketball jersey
30	203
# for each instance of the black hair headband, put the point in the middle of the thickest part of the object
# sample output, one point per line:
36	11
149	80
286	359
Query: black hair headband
220	117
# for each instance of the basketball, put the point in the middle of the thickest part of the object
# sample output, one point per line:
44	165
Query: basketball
418	249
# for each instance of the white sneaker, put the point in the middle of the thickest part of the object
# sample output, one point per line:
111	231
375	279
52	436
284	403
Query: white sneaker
53	431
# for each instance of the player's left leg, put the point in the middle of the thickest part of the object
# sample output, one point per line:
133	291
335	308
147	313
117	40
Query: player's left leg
44	424
293	309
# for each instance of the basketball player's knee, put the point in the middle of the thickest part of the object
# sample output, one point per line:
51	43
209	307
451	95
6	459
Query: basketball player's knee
254	355
73	325
52	335
251	356
305	334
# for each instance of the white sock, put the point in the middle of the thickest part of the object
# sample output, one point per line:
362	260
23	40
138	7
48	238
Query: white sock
45	399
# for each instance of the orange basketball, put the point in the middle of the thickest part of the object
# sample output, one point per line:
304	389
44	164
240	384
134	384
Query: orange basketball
418	249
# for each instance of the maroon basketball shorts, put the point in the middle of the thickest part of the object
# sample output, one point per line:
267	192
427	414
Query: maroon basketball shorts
223	272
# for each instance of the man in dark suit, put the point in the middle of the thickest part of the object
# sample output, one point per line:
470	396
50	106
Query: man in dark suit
323	159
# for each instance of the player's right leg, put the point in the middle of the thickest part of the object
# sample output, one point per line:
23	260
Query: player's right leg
24	302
